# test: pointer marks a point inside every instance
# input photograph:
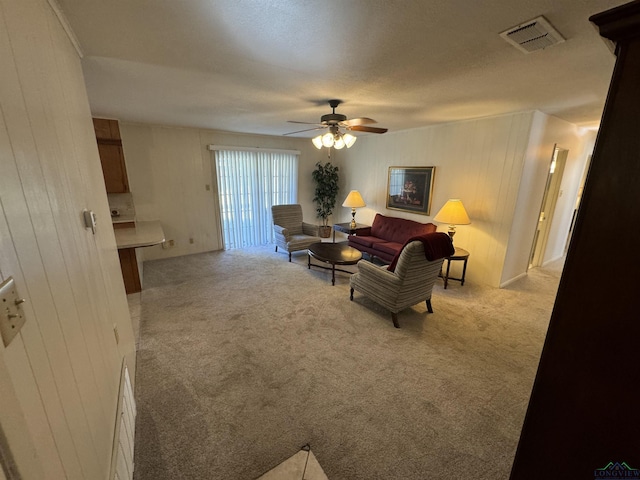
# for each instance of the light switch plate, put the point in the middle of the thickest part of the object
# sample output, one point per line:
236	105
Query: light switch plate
90	220
11	311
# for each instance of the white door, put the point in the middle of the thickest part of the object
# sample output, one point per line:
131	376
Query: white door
549	200
18	457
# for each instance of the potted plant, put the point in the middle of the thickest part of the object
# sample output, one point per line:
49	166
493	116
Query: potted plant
326	180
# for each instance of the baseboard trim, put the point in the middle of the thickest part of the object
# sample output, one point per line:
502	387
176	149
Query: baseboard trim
510	281
549	262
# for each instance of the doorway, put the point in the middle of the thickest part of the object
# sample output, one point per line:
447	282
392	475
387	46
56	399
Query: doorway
549	200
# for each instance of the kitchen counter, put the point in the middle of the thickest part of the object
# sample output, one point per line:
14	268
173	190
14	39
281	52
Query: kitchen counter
144	234
123	219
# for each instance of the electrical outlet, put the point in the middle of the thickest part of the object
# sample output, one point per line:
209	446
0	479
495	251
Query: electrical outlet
11	313
207	187
171	243
191	240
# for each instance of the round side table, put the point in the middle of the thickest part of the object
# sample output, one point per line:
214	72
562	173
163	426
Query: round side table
462	255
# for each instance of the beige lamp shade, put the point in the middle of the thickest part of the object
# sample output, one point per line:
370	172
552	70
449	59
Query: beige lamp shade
454	214
354	200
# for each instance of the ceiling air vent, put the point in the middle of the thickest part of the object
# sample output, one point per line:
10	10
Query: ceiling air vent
533	35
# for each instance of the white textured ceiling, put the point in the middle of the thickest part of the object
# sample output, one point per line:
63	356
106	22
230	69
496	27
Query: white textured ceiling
251	65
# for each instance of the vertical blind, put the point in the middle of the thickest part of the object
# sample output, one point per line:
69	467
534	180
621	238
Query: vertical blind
249	183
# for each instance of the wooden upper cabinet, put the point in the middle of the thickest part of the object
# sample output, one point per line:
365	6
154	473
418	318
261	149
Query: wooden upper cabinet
111	155
106	129
113	168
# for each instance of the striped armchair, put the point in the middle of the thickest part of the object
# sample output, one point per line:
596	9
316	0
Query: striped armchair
292	234
411	282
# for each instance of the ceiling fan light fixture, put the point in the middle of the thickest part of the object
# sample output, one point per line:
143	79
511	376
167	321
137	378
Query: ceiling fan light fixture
334	122
349	140
317	142
336	140
327	140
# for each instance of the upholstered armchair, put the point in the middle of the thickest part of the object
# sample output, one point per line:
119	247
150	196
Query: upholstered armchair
292	234
413	276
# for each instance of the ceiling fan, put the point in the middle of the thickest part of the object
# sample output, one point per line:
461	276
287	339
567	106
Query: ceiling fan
334	121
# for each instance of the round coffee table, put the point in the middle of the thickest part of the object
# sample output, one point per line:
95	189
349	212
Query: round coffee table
333	254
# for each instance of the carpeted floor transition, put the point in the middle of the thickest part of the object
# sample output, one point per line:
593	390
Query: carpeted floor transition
244	357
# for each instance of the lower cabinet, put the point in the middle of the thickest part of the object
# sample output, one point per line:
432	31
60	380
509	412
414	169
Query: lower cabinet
131	236
129	267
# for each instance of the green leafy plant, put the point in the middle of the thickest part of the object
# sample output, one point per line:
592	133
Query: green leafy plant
326	180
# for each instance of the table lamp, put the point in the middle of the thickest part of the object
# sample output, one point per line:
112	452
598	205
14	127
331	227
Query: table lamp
454	214
354	200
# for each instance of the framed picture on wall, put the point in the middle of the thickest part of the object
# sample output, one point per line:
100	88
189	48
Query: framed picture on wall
410	188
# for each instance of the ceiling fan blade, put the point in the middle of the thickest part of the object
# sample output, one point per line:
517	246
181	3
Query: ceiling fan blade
358	121
305	130
362	128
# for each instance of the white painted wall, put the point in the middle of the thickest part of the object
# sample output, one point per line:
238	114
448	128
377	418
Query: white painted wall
546	132
478	161
64	366
580	144
169	169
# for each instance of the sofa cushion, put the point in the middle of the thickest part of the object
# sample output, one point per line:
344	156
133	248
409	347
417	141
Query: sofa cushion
392	248
398	230
361	240
366	241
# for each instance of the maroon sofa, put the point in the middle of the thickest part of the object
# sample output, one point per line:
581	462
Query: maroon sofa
385	238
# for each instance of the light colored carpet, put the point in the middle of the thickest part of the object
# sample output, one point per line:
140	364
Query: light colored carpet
244	358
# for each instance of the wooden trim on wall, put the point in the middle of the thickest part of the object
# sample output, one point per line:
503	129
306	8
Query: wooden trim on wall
62	18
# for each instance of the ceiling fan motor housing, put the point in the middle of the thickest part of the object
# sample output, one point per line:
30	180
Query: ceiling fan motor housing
334	121
332	118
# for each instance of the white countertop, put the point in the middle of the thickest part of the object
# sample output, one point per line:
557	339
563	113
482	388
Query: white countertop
144	234
123	219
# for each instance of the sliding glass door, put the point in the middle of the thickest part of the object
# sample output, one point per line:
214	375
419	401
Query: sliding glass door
249	183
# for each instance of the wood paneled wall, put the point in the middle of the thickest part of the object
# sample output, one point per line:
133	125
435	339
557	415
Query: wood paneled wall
170	168
492	164
478	161
481	162
63	368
